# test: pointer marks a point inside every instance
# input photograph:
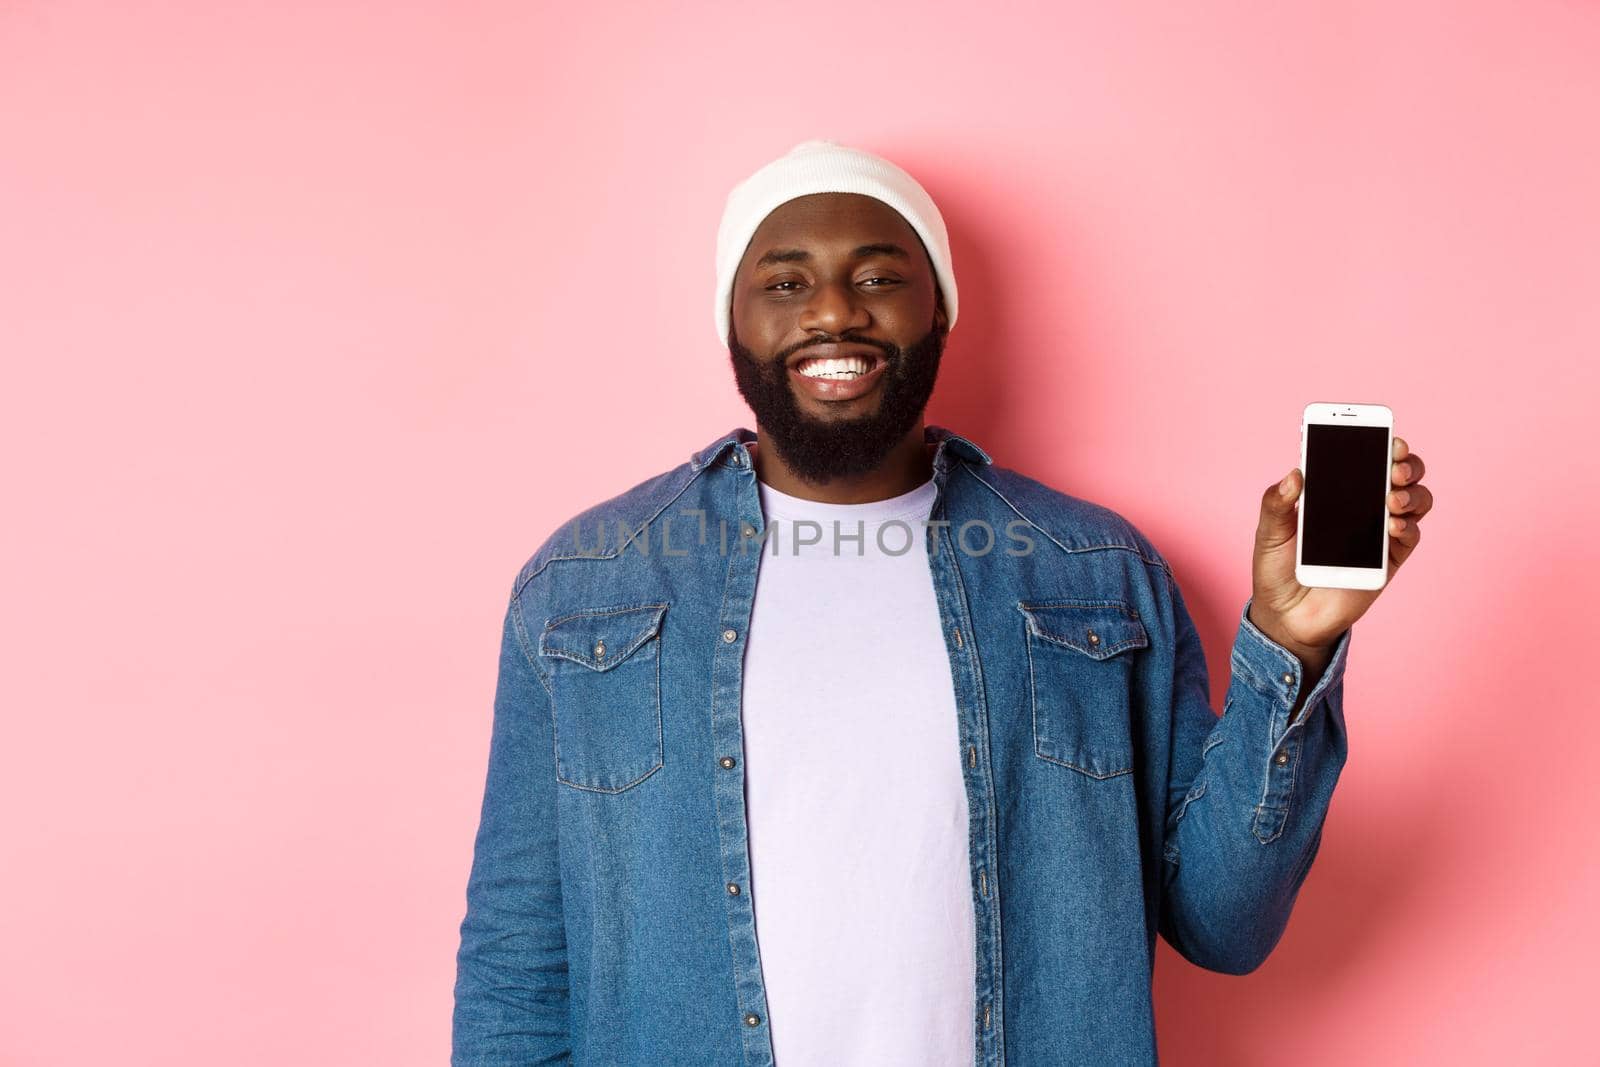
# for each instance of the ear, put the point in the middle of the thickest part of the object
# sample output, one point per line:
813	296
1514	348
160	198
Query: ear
941	320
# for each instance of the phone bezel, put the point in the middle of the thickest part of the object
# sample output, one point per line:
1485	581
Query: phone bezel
1332	414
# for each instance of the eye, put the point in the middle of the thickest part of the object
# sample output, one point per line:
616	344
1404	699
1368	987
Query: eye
777	287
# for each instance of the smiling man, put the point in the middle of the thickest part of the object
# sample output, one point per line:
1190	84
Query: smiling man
839	743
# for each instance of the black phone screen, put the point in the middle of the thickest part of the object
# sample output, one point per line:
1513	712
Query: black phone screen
1347	483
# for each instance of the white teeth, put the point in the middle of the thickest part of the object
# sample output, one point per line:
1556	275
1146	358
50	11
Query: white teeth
845	369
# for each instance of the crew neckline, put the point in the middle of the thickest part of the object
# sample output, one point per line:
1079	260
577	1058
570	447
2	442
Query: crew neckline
913	502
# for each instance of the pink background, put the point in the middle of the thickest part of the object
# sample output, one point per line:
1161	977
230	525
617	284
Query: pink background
318	318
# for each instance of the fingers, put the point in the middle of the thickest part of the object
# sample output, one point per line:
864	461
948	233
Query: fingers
1407	504
1414	500
1404	529
1407	467
1404	533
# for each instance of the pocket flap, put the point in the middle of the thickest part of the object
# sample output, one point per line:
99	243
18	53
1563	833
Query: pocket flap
601	638
1096	628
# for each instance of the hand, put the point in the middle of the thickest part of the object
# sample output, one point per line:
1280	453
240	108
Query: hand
1309	620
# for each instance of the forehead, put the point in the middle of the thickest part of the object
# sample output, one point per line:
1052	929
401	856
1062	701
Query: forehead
827	223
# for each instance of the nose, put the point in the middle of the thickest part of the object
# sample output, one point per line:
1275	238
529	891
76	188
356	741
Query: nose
834	308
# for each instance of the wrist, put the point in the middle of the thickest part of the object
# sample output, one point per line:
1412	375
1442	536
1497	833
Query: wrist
1313	658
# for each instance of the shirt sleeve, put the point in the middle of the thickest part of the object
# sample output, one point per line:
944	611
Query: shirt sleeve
511	992
1247	794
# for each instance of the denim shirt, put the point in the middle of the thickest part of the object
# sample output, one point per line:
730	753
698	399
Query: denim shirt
609	918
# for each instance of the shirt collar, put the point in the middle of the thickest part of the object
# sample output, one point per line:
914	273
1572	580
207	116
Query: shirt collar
735	442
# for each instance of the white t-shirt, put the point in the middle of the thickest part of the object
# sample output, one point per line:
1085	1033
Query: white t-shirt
861	882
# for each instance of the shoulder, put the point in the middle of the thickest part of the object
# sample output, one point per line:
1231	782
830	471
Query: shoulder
1070	523
578	536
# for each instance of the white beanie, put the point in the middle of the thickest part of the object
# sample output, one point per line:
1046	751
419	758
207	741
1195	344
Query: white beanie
822	166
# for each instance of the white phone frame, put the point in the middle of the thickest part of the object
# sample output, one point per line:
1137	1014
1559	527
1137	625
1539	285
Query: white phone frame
1328	414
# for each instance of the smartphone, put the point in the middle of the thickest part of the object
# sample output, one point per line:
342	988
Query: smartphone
1343	536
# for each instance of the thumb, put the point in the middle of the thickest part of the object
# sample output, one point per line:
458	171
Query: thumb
1278	517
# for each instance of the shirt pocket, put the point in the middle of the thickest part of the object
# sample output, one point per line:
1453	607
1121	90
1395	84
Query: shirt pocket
1080	663
604	671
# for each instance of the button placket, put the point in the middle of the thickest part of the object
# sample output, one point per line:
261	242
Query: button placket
739	498
973	712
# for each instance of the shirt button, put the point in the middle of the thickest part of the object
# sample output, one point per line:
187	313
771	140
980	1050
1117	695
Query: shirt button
1288	679
599	649
733	889
1094	638
1281	758
726	761
729	635
752	1019
747	530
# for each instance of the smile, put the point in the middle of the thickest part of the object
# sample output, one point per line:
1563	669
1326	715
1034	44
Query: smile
834	379
844	368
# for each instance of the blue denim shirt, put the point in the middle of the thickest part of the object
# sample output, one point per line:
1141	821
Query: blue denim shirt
609	918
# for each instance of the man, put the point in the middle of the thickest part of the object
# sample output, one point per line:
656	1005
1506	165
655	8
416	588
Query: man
766	787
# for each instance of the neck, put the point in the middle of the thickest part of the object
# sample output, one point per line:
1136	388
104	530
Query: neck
908	465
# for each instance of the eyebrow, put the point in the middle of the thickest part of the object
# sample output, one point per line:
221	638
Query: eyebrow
800	255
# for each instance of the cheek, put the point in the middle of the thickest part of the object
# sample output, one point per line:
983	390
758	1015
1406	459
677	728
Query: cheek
911	317
760	334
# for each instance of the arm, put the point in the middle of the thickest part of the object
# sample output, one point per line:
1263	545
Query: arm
511	968
1246	794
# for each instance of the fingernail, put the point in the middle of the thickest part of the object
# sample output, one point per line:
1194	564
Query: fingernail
1283	486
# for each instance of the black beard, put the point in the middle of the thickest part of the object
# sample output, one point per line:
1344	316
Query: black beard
821	450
